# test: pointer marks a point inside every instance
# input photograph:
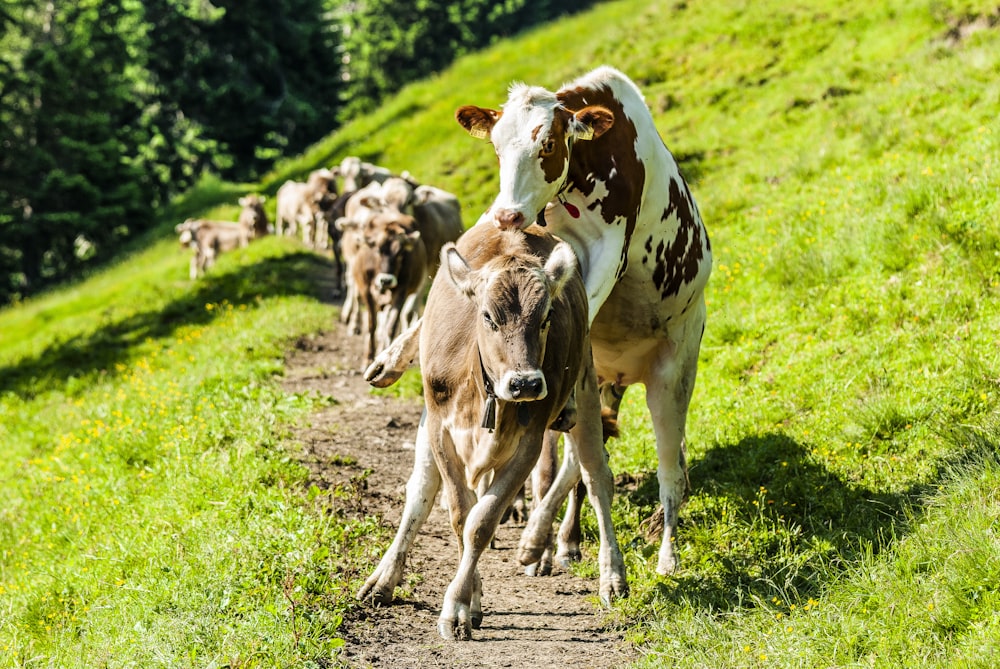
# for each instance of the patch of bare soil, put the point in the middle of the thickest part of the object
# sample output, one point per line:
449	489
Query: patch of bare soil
544	622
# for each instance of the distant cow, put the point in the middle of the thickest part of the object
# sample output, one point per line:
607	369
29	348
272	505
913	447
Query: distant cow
208	239
357	174
253	216
388	271
357	212
302	208
504	343
437	212
588	162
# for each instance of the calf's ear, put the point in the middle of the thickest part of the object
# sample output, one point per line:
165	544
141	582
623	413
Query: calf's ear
458	270
477	121
560	267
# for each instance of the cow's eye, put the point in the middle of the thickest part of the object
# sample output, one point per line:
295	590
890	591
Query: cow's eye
548	147
489	322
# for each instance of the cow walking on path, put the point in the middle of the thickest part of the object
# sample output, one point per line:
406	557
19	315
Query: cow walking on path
503	346
587	162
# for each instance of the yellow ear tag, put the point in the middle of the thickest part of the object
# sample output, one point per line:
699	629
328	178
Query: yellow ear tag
586	133
479	132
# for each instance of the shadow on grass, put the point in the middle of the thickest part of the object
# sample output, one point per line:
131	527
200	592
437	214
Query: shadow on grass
796	522
96	353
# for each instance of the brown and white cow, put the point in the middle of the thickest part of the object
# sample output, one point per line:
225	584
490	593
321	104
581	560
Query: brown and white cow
303	208
253	215
587	161
503	345
208	239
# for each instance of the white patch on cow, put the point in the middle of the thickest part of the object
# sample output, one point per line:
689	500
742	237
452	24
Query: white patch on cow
506	385
523	188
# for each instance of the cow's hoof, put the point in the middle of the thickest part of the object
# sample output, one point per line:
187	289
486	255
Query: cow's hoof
374	595
540	568
377	375
529	554
567	558
666	565
477	620
615	588
453	630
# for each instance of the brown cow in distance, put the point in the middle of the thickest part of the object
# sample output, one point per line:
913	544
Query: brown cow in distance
388	271
209	239
504	344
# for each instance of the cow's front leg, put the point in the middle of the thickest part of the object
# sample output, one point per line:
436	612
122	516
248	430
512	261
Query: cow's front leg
461	610
421	488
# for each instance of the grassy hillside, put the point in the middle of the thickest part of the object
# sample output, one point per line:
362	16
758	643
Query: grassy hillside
843	435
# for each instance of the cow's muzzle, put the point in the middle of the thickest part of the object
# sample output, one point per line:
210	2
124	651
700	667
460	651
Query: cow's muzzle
510	219
525	387
384	282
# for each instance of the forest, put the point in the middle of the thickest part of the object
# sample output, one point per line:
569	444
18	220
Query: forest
109	108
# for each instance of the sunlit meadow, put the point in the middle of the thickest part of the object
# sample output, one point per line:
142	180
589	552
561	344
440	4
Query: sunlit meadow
842	437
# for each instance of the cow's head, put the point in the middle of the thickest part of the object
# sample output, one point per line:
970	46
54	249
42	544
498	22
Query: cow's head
513	296
186	231
391	237
533	137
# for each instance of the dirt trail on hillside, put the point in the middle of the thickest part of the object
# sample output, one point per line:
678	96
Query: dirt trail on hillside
529	623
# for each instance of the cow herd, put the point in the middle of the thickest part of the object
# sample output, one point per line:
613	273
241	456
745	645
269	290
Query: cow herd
384	231
584	276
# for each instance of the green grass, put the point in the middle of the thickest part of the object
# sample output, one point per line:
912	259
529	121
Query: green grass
844	433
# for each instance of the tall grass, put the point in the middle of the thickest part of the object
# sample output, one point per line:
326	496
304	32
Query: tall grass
843	434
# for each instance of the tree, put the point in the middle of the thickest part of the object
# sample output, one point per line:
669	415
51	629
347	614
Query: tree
69	183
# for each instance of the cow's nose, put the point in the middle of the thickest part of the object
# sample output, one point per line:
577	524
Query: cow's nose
385	282
509	219
526	387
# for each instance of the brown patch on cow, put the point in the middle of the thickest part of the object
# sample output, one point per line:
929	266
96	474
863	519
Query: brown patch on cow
609	158
678	261
534	133
554	164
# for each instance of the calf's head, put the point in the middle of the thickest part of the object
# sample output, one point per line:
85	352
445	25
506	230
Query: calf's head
533	138
391	237
514	297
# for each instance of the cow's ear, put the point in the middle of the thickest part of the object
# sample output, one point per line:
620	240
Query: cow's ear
344	224
458	270
371	201
410	239
559	267
477	121
591	122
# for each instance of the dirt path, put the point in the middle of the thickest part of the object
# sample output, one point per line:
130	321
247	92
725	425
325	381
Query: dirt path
528	623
